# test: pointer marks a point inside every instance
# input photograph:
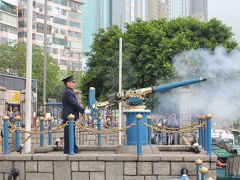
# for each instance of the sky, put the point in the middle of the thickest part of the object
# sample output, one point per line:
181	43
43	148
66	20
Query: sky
228	11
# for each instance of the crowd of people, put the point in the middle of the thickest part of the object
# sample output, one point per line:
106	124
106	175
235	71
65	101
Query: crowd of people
168	120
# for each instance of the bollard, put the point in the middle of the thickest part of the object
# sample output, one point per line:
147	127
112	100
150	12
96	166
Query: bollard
209	133
199	133
149	121
17	133
41	119
203	170
99	126
139	143
49	131
203	136
5	134
198	163
71	134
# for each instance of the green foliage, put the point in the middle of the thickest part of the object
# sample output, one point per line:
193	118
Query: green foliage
148	50
13	62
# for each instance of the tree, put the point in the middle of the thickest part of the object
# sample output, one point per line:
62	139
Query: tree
149	47
13	62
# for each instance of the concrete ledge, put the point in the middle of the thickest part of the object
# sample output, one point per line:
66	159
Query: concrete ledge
174	147
83	157
126	157
97	148
18	157
55	157
193	157
106	157
150	157
172	157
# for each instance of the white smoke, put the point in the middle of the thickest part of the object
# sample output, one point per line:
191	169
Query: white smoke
220	94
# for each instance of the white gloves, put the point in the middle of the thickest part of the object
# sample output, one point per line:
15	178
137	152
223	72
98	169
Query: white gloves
87	112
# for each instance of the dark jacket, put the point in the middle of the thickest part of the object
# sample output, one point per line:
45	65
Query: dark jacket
70	105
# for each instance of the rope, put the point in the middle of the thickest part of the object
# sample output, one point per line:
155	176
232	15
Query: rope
80	127
190	128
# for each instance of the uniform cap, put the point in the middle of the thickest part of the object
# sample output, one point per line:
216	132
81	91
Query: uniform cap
68	79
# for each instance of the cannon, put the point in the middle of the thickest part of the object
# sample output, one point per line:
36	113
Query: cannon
136	97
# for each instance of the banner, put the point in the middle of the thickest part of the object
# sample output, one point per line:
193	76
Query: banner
13	97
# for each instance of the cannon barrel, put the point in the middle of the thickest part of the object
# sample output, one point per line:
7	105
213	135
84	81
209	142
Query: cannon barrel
169	86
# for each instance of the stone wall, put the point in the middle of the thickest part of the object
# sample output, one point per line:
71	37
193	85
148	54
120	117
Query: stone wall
58	166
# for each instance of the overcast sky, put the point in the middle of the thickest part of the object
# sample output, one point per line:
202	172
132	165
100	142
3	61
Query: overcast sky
228	11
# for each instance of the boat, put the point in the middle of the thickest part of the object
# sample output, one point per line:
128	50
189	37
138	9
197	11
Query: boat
227	148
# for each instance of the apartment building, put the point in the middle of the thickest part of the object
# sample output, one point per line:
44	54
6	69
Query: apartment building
64	30
8	20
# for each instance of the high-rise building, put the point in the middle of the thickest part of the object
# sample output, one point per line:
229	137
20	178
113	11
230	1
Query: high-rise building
64	30
183	8
178	8
127	11
8	20
156	9
96	14
199	9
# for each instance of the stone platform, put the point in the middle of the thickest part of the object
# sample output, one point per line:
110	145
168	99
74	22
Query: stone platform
104	163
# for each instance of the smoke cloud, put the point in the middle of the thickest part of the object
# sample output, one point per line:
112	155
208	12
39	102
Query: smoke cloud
220	94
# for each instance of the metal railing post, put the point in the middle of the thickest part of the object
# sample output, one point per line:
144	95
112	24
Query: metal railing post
139	143
198	163
99	127
71	134
50	131
203	172
41	119
149	121
209	133
17	133
5	134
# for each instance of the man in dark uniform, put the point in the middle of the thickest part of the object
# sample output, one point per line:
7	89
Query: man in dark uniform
70	106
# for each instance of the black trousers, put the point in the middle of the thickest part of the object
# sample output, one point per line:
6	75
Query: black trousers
66	141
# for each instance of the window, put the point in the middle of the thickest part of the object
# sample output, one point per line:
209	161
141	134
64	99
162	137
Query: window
76	6
63	12
62	52
62	2
39	37
74	34
59	41
22	24
49	8
74	24
55	30
22	34
40	6
22	13
74	44
7	28
40	28
8	7
40	16
63	32
55	51
60	21
74	15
